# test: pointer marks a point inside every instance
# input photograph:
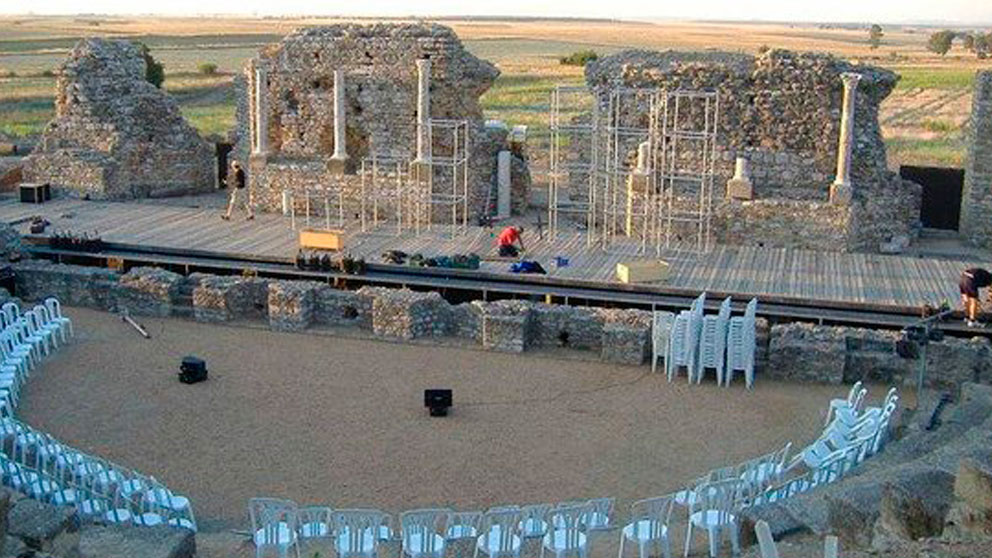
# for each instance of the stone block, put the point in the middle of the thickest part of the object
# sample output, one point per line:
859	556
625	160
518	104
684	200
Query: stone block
506	326
339	308
973	484
904	516
147	291
626	344
740	189
42	525
224	298
805	352
405	314
161	541
291	304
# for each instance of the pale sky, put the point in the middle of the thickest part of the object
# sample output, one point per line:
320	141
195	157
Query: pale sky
965	12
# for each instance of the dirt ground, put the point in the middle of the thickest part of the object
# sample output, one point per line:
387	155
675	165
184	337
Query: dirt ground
340	422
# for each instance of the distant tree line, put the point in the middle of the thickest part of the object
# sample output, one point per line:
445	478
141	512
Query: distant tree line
976	42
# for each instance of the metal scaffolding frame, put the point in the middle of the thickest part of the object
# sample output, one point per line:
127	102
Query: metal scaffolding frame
385	195
687	158
440	182
571	167
629	193
650	165
318	201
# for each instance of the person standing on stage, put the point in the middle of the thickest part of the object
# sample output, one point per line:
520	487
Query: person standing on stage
972	281
236	181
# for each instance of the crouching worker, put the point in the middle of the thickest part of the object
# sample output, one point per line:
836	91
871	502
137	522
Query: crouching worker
510	242
972	281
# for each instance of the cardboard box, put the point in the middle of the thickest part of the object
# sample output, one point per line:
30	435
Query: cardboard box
643	271
321	239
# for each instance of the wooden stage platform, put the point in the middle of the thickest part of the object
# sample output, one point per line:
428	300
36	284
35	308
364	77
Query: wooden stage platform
194	223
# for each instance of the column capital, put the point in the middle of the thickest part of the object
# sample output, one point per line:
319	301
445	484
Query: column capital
850	79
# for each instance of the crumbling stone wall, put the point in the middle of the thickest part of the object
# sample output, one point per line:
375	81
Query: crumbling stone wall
795	351
803	351
781	110
116	136
976	199
380	74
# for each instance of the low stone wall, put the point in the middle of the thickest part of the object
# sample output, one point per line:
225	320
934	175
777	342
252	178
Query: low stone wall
815	225
795	351
801	351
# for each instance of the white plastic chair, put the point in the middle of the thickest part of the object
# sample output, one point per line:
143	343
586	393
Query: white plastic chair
357	532
423	532
648	526
716	510
46	323
661	333
534	520
741	344
765	470
11	312
462	526
684	341
499	533
55	308
850	405
713	343
273	526
314	522
568	535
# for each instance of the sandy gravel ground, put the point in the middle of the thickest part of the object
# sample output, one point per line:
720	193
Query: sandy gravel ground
339	421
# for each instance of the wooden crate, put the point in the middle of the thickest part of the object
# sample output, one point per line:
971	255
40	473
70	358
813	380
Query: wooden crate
321	239
643	271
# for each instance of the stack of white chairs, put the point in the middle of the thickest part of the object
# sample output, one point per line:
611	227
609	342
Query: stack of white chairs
661	335
713	343
741	344
683	346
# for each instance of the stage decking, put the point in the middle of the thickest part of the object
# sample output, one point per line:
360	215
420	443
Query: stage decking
194	223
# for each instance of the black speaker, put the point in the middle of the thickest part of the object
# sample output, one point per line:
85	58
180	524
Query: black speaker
438	401
192	370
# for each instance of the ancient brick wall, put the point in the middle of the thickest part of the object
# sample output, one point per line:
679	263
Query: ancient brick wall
380	75
116	136
781	111
976	199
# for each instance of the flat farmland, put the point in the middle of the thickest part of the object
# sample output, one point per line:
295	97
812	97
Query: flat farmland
923	120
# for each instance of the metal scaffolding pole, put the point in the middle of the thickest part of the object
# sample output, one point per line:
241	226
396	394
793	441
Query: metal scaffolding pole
573	159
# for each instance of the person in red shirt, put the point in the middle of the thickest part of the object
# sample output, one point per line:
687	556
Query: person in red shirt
510	242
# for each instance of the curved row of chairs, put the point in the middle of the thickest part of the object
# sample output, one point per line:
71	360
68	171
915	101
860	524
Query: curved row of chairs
699	342
712	503
40	466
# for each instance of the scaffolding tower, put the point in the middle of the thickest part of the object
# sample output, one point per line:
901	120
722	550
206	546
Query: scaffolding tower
385	195
440	181
628	177
317	202
645	158
687	123
573	159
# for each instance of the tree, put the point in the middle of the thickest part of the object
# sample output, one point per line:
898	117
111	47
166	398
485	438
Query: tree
154	71
968	41
579	58
875	35
940	42
982	45
207	68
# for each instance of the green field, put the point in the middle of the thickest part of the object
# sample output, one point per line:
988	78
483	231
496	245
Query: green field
923	120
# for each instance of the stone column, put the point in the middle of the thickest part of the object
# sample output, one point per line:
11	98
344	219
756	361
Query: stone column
976	196
740	187
840	190
423	110
261	112
503	184
637	182
340	156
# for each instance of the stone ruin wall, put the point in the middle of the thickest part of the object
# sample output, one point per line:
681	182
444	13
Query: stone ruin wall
793	351
116	136
380	74
782	110
976	199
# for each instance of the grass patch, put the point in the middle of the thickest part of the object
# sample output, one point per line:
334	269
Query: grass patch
935	78
938	126
25	117
214	119
937	152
